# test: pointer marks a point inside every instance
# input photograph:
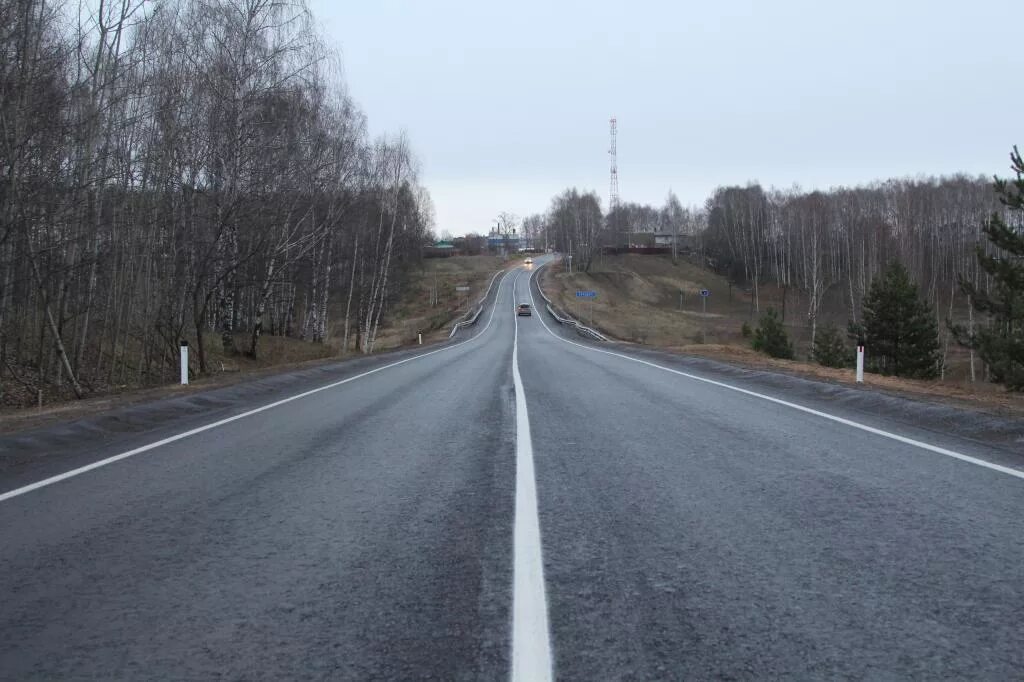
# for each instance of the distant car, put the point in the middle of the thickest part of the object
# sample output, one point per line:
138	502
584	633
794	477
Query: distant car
523	309
528	261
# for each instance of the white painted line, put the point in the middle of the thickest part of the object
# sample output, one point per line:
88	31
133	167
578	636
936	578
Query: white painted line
206	427
531	641
817	413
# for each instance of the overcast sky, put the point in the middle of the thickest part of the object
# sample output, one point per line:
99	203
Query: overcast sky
507	103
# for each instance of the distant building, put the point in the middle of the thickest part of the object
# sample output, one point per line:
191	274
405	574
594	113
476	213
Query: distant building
651	243
440	249
686	242
498	242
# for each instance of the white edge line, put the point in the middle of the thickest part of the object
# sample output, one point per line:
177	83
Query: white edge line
206	427
824	415
531	640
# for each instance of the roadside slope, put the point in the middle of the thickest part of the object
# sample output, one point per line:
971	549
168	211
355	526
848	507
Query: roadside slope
637	303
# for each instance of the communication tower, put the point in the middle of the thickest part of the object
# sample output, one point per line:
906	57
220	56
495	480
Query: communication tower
613	189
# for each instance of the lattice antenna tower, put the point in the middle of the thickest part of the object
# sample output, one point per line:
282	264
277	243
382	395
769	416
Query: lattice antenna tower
613	188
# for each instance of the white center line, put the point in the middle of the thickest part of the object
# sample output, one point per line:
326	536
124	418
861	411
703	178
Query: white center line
531	641
1017	473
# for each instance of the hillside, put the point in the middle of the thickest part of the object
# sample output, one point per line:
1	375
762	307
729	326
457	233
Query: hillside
415	311
647	299
638	300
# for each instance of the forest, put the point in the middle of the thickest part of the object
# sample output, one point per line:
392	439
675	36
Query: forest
196	170
187	170
831	245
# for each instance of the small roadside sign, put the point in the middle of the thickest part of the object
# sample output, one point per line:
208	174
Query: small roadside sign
705	293
586	294
462	288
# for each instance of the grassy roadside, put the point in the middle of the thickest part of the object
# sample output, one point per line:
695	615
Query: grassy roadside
18	419
638	302
416	310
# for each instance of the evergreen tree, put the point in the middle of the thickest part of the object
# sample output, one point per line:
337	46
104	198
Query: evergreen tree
899	329
830	349
1000	343
770	337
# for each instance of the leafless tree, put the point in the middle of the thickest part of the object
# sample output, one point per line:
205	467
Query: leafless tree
176	169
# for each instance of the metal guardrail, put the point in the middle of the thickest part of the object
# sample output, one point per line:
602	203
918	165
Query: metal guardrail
565	318
473	314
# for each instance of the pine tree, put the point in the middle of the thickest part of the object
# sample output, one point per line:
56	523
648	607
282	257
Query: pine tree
1001	343
830	349
900	333
770	337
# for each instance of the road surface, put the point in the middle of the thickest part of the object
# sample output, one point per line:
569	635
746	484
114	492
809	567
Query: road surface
516	502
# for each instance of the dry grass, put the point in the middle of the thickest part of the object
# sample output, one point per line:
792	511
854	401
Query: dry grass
398	327
270	351
275	354
638	301
644	308
979	395
414	313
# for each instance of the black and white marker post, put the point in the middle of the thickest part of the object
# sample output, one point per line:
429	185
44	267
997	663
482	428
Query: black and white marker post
704	293
184	362
860	362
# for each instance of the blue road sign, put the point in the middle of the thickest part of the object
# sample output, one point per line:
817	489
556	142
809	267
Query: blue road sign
705	293
586	294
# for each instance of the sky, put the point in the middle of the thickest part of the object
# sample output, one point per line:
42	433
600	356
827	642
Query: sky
506	104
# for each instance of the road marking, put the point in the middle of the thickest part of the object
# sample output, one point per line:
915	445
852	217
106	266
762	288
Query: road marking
817	413
531	641
185	434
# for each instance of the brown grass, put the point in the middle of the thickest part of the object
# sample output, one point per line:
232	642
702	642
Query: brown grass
644	308
638	302
399	327
281	354
413	313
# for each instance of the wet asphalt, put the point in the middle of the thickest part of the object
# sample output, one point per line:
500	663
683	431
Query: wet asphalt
365	532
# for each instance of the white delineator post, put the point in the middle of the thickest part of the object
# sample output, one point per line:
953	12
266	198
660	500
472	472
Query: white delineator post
184	363
419	335
860	364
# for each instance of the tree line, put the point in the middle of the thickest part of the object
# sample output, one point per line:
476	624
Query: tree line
842	239
187	169
952	241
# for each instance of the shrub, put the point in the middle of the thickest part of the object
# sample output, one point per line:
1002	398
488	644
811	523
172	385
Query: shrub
830	348
899	328
770	337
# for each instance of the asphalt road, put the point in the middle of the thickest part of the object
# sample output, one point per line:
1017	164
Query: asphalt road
379	529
